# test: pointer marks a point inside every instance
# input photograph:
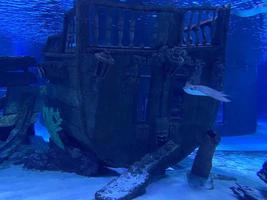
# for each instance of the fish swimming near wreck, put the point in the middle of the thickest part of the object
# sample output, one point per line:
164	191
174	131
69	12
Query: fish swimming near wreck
201	90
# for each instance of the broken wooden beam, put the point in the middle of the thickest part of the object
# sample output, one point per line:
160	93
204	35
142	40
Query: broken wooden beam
10	79
133	182
16	63
19	133
8	120
203	161
242	192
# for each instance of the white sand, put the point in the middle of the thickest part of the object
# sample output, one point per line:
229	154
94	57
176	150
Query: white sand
19	184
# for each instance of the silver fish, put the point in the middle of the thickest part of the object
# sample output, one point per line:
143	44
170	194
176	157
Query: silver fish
201	90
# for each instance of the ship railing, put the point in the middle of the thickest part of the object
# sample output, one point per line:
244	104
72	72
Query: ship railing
199	27
105	24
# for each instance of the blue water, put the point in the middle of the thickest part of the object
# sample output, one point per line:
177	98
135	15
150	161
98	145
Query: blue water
33	20
25	25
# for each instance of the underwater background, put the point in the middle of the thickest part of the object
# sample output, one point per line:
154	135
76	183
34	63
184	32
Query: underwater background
24	28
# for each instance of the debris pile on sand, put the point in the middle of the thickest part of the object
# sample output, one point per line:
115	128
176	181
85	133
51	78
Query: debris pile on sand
263	172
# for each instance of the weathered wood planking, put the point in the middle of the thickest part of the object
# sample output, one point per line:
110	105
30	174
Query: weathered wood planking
15	97
66	95
134	181
133	98
76	133
11	79
19	133
16	63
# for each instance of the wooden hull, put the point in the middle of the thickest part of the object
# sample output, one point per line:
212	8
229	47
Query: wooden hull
123	101
103	114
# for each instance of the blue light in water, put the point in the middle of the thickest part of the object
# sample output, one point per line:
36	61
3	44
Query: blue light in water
41	130
20	48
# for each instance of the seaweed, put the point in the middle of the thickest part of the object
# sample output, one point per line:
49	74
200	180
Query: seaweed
52	121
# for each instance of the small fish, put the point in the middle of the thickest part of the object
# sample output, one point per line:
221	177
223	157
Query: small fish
201	90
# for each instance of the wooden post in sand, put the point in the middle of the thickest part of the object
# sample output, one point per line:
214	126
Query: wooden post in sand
203	161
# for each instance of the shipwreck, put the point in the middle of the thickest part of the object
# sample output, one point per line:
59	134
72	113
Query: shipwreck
115	78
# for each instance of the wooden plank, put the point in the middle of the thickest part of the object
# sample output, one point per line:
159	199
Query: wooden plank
51	56
63	72
156	30
197	27
213	24
55	44
133	182
10	79
69	37
64	94
109	25
69	15
132	29
77	134
68	113
164	23
189	36
19	133
10	120
221	27
96	28
146	51
82	31
16	63
175	32
120	28
15	97
57	70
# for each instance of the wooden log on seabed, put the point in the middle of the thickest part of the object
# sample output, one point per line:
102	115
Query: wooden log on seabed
133	182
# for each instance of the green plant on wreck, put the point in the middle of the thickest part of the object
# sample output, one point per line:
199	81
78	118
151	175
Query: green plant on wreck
53	120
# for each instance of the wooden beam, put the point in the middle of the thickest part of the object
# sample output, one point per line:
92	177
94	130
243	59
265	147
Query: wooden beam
133	182
19	133
16	63
9	79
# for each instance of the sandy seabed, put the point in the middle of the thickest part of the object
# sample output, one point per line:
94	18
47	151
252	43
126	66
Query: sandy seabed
237	157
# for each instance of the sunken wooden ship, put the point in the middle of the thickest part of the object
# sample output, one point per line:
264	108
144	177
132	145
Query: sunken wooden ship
116	75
